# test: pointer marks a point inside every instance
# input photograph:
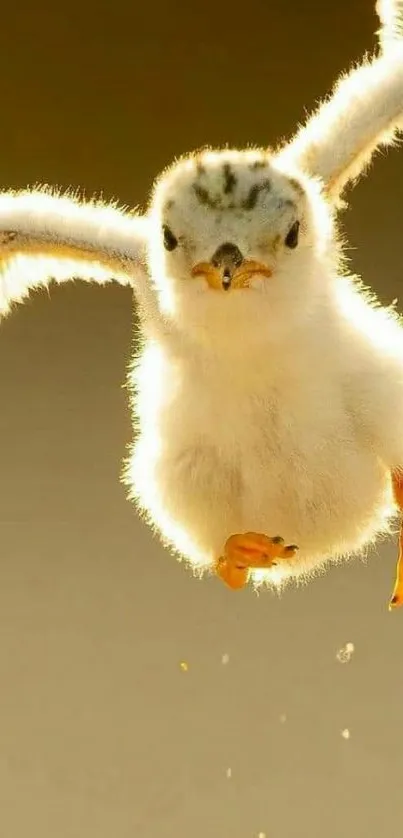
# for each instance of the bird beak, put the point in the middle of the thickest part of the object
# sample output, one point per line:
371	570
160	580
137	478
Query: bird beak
224	277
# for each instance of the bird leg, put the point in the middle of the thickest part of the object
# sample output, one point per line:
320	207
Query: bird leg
250	551
397	485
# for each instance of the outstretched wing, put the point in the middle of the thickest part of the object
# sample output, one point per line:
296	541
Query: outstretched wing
363	112
390	13
47	235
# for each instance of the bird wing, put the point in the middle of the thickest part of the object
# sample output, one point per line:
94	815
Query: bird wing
363	112
46	235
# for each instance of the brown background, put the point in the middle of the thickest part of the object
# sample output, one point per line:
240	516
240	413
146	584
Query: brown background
102	734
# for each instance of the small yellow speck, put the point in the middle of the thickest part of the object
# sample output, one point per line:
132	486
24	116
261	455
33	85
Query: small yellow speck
345	733
261	835
184	666
225	658
229	773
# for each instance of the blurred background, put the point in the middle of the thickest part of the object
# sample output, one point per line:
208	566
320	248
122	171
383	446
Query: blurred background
135	700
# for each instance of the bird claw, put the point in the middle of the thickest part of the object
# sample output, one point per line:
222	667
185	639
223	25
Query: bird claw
250	551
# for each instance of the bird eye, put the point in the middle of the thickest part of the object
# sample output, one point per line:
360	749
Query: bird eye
170	241
291	238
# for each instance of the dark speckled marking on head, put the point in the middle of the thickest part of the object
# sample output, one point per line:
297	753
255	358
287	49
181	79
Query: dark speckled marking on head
259	164
250	201
297	186
205	198
287	202
230	181
169	205
200	168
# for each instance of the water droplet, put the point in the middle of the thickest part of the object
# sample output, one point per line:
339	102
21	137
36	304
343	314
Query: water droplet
345	654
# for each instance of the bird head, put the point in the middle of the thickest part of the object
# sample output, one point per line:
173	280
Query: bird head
235	235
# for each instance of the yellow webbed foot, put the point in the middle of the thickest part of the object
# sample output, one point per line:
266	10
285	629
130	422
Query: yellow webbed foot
397	596
397	486
250	551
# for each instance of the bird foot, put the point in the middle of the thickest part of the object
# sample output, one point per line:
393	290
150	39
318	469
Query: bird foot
250	551
397	596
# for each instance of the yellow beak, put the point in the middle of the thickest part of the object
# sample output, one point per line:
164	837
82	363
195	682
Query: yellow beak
239	278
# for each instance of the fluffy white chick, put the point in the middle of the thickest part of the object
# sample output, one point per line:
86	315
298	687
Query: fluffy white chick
267	392
270	397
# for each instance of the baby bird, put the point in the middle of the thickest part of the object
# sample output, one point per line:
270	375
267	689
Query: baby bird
267	393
